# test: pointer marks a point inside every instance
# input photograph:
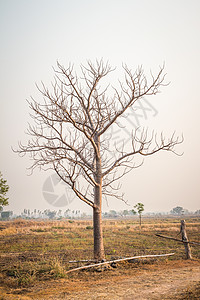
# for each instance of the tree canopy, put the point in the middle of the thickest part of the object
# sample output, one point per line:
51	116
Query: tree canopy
70	129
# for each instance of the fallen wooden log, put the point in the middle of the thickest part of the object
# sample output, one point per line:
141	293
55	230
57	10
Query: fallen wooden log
177	240
80	261
118	260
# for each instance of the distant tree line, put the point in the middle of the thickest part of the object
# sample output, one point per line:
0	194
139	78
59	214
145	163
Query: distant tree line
77	214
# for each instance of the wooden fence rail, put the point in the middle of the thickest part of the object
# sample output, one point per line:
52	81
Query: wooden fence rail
177	240
184	240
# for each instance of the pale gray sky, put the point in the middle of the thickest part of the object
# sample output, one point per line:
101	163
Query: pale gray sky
35	34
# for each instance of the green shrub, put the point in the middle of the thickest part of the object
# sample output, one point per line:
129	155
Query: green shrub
89	227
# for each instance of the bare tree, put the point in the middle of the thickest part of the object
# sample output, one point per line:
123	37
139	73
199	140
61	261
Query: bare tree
69	133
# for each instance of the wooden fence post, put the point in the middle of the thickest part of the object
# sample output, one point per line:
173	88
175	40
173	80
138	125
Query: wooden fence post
185	240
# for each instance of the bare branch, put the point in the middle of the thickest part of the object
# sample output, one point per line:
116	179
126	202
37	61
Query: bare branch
135	88
69	124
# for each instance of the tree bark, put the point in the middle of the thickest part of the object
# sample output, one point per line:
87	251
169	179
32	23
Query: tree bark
97	209
98	235
185	240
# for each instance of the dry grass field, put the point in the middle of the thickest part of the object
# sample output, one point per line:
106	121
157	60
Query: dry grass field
35	256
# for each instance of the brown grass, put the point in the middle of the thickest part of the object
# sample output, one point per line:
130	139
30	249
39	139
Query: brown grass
34	252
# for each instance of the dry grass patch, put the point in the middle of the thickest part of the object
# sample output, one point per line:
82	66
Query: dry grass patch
37	251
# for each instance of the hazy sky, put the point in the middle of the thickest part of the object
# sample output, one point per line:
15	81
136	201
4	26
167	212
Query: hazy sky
37	33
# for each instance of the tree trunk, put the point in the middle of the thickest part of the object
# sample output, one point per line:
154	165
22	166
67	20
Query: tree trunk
97	209
185	239
98	235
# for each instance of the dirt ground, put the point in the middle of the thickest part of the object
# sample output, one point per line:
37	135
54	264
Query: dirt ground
167	280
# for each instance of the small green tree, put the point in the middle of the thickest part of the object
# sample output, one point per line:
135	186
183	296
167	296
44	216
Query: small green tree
3	190
139	209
